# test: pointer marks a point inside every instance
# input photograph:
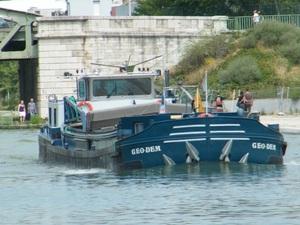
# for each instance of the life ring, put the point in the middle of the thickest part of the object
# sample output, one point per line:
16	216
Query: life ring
203	115
85	104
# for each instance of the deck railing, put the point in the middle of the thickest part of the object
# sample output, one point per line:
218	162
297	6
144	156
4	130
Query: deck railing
245	22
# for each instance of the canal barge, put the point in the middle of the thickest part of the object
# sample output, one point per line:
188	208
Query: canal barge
118	122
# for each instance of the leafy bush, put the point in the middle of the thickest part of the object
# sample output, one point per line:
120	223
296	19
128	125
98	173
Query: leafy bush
286	39
12	102
270	33
249	41
192	59
6	120
241	71
292	52
197	53
294	94
9	83
36	120
292	35
219	46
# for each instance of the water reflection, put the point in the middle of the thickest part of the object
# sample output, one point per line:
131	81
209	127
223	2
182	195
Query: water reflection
207	170
168	175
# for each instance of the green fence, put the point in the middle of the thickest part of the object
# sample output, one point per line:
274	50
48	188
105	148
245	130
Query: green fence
245	22
292	93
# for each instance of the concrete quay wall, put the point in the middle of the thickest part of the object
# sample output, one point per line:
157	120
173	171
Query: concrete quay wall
270	106
71	44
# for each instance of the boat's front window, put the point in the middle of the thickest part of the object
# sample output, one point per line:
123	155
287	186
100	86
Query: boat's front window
121	87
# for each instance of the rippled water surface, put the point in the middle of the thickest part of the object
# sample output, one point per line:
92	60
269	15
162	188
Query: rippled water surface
208	193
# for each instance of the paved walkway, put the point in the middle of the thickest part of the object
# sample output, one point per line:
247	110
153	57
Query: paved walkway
287	123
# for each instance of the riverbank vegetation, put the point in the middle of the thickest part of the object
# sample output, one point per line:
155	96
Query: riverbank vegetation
10	119
9	85
264	57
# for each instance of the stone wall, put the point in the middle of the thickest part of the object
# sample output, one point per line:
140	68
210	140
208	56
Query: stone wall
71	44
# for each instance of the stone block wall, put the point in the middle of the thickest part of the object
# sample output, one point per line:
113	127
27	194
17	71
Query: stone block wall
71	44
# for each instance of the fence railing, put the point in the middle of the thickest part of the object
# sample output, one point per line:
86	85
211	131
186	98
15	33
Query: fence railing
292	93
245	22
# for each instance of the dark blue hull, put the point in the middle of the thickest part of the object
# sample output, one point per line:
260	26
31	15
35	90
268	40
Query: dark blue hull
165	139
219	138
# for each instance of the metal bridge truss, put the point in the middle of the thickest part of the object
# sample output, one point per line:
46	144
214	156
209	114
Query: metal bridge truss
17	35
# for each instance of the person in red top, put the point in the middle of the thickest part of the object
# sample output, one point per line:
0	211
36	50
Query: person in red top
22	111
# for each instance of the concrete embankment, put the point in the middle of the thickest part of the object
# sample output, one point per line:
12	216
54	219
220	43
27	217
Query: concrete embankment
287	123
21	126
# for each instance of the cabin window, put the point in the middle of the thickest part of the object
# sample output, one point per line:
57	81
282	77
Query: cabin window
55	117
138	127
81	90
122	87
50	116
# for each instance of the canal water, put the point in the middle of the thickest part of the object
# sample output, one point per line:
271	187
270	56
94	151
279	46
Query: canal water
209	193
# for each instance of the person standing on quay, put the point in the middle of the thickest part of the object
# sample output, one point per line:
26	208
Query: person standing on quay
219	103
241	101
31	108
248	99
22	111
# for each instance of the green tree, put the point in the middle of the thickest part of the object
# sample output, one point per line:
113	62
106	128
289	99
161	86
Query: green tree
194	7
214	7
9	82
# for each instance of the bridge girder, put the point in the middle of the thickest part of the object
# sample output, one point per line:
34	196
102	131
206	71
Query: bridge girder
19	41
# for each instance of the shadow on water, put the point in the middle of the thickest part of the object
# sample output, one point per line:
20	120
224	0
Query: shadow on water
204	172
207	169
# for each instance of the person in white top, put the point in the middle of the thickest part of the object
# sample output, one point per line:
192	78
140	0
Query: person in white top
255	17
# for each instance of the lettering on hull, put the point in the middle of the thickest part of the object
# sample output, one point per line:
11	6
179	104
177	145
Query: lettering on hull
263	146
143	150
